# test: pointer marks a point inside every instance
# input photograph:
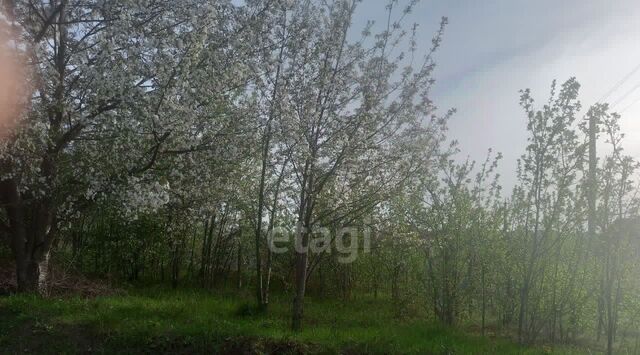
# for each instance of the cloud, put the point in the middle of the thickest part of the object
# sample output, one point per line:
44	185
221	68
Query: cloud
495	48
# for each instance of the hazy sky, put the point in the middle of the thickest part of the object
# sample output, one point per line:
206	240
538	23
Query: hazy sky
493	48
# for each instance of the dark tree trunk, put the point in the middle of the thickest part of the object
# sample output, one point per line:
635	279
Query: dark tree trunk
190	269
272	220
484	300
32	265
395	287
239	261
32	275
176	260
305	210
300	283
31	231
301	264
31	226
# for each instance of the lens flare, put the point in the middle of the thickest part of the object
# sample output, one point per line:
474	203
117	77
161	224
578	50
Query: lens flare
11	85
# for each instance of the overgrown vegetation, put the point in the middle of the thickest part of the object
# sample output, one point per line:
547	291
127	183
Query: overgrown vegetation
267	146
193	321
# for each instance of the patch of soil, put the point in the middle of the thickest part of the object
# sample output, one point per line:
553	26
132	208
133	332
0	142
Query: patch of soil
41	336
7	278
62	283
253	346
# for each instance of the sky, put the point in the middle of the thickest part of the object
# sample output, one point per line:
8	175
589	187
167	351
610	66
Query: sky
494	48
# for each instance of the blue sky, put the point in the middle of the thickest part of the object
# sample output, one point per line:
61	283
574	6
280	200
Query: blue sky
493	48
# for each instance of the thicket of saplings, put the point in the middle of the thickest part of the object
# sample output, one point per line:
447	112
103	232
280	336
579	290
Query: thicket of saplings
174	141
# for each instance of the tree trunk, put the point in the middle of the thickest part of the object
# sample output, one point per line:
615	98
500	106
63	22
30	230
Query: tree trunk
33	275
300	282
258	231
272	221
484	301
305	211
31	221
239	262
395	288
31	233
190	270
176	260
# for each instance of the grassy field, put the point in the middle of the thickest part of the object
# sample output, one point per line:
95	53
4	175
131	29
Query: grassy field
157	320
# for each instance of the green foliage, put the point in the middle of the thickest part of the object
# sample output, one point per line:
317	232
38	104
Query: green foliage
192	321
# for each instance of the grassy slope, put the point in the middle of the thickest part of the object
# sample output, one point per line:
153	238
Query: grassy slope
162	321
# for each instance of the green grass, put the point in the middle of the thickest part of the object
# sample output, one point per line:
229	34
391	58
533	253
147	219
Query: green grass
156	320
